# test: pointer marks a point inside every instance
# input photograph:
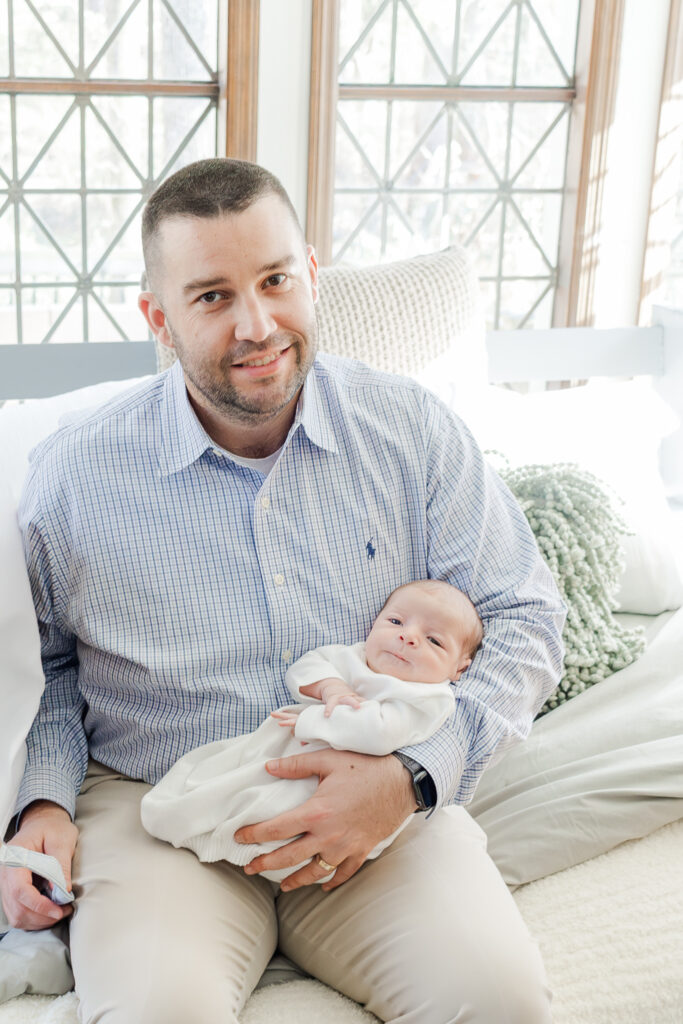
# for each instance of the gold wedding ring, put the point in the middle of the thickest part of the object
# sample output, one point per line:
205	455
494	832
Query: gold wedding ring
324	865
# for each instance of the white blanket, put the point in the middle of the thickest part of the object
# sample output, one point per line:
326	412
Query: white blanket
601	769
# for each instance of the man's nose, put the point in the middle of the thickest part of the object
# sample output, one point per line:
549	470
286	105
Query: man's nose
253	321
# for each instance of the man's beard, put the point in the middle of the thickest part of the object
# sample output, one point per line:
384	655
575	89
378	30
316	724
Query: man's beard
225	398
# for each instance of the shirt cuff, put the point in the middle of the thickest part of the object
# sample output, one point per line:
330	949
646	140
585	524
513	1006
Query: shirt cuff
46	784
445	772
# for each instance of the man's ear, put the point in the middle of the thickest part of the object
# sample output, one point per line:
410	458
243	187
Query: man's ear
312	261
155	317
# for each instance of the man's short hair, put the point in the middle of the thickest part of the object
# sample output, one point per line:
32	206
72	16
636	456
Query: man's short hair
208	188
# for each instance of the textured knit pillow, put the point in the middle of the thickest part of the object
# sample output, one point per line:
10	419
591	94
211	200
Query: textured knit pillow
578	533
400	317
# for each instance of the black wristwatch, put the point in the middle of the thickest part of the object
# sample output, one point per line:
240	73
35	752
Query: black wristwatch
424	789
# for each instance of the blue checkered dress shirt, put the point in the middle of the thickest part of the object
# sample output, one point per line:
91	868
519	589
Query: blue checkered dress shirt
174	586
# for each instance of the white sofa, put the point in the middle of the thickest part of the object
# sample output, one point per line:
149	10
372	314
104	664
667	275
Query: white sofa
586	820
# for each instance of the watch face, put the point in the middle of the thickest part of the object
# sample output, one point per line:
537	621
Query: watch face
423	788
418	783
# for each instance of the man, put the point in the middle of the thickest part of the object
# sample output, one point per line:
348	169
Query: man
188	542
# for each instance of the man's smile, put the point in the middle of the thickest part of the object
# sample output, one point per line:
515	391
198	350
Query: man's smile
260	360
261	365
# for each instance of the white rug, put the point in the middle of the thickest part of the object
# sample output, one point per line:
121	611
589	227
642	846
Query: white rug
611	933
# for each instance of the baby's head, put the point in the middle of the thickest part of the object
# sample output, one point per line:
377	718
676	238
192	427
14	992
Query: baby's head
427	631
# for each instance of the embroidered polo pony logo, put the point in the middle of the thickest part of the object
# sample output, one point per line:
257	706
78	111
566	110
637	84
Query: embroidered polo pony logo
371	552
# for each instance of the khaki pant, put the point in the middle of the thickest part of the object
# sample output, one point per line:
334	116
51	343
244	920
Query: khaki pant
425	934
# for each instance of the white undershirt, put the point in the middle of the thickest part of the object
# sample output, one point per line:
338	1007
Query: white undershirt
263	465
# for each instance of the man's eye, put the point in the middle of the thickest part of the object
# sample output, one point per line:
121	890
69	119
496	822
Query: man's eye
433	640
208	298
275	279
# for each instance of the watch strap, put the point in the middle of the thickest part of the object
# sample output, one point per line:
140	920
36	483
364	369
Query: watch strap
424	789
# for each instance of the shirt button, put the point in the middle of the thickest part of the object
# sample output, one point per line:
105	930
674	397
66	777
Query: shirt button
279	579
265	502
287	656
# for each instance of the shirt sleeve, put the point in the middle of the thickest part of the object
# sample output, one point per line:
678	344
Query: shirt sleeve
479	540
57	748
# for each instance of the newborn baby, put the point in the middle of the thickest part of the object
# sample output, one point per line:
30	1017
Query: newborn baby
373	698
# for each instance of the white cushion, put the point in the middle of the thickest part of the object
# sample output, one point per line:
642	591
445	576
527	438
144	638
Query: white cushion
614	430
23	426
603	768
33	962
21	673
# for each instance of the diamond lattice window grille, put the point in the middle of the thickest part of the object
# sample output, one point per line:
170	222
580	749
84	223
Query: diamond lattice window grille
99	101
452	127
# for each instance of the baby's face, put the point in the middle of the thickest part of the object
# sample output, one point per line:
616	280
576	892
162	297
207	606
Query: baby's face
418	637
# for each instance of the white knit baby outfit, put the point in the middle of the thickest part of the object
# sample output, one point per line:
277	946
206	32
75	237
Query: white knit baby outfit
216	789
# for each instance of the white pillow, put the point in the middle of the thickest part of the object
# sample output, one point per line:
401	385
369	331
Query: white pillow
23	426
21	673
613	429
603	768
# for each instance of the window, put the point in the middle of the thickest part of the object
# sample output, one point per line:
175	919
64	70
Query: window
452	127
662	278
99	101
465	123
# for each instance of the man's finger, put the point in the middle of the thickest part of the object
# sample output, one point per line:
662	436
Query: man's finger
345	870
25	906
41	906
298	766
310	874
285	826
30	922
288	856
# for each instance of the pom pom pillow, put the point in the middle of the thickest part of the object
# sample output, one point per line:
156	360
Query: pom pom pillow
578	533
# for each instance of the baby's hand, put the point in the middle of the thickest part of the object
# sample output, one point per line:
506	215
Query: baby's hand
352	699
286	718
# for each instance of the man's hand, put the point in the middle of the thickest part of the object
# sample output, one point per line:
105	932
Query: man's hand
360	800
46	828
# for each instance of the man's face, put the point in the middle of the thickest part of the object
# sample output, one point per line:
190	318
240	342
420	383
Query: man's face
235	298
419	637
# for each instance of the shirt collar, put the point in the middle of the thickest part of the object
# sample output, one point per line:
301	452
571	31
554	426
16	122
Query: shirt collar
313	413
184	439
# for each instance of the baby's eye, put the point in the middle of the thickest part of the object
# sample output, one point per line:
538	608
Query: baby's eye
433	640
394	621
